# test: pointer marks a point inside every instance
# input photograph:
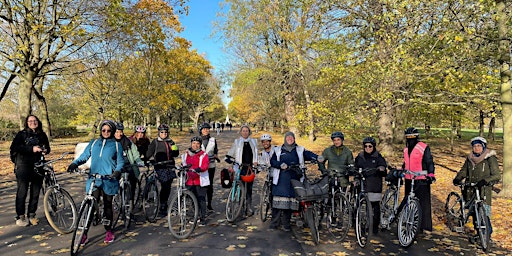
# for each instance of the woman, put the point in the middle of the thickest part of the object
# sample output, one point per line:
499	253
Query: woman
481	167
284	202
198	179
245	152
131	157
209	145
369	157
107	159
140	140
27	148
164	149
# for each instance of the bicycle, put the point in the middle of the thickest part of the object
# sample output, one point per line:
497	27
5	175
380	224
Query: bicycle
358	198
59	207
311	195
391	199
339	212
150	194
409	219
458	211
90	213
123	202
183	211
236	202
265	206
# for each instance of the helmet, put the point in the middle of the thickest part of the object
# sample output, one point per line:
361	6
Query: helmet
249	176
337	135
119	126
480	140
205	125
370	140
411	132
111	125
163	127
196	138
265	137
140	128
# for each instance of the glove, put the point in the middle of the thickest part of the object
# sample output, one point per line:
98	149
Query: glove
217	159
72	167
116	175
457	181
198	170
228	160
481	183
284	166
431	179
174	147
140	165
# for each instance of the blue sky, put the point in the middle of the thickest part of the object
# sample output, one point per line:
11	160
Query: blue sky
198	29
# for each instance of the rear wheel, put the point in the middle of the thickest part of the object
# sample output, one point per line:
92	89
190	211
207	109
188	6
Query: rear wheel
265	201
482	227
454	212
409	223
387	205
127	205
364	220
312	221
235	202
338	217
150	201
182	214
60	210
84	222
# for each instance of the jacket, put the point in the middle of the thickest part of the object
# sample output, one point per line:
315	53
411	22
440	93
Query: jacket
373	160
162	150
25	158
196	160
337	161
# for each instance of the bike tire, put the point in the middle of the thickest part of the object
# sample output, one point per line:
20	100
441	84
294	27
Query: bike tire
151	201
82	227
137	197
409	223
235	202
482	228
387	205
454	211
60	210
265	202
364	221
117	209
127	204
339	217
182	214
311	216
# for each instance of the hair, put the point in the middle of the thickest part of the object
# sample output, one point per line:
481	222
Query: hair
39	128
246	126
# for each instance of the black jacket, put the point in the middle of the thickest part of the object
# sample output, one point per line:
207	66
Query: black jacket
25	158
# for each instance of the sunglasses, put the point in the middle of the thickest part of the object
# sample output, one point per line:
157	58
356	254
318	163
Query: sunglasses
368	146
105	130
164	132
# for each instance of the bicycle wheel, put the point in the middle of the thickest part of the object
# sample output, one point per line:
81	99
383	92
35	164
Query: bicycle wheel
454	212
482	227
311	216
117	208
364	221
83	224
137	197
338	217
127	205
387	205
182	214
150	201
265	201
409	223
235	202
60	210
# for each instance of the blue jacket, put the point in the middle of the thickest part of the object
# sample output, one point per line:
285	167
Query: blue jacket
106	157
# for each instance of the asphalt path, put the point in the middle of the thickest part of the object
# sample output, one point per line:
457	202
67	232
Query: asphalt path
246	237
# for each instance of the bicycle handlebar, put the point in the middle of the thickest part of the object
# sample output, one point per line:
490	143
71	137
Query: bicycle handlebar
43	163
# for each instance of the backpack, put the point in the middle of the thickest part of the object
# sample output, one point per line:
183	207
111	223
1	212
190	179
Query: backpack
226	178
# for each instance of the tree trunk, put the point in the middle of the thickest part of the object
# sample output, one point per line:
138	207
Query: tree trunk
43	106
482	123
290	112
506	95
492	125
25	97
386	128
100	116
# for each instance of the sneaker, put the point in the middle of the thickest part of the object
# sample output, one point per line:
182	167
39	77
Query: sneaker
210	208
272	228
33	221
109	237
287	229
201	223
21	221
84	240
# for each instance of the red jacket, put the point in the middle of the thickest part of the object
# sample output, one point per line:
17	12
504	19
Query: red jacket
196	160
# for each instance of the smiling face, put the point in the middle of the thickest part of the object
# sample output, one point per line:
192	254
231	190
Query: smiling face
32	123
245	132
266	144
290	140
119	134
478	148
195	145
337	142
368	147
163	134
105	131
205	131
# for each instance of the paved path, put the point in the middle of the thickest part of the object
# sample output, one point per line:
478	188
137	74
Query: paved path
247	237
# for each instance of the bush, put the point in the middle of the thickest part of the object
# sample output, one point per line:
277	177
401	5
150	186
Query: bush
62	132
7	134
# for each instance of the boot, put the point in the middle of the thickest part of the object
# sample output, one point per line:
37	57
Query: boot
248	210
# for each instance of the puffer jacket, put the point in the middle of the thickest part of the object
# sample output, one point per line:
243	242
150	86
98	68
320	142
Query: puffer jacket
373	160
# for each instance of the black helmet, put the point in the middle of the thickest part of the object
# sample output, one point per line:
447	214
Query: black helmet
111	125
203	126
163	127
370	140
411	132
119	126
337	135
196	138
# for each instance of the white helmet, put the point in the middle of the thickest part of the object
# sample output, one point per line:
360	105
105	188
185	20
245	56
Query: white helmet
479	140
265	137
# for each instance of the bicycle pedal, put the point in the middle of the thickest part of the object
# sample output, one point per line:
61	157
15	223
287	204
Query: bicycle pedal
459	229
105	222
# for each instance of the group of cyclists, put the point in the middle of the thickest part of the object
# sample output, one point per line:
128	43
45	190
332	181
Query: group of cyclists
113	153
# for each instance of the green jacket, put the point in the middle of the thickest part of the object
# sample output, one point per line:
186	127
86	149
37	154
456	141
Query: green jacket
134	161
337	159
488	170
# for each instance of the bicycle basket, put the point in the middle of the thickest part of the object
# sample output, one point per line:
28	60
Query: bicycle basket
310	191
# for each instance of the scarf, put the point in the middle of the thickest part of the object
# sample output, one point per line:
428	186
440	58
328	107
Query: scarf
476	159
286	146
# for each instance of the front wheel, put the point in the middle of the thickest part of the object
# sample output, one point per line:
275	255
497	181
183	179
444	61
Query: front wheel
339	217
482	226
454	212
312	221
85	217
265	201
364	221
409	223
60	210
182	214
150	201
235	202
126	204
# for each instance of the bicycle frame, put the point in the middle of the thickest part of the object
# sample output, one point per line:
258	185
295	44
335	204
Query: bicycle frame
472	203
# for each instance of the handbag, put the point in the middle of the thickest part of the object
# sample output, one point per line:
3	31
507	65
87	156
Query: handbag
164	175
